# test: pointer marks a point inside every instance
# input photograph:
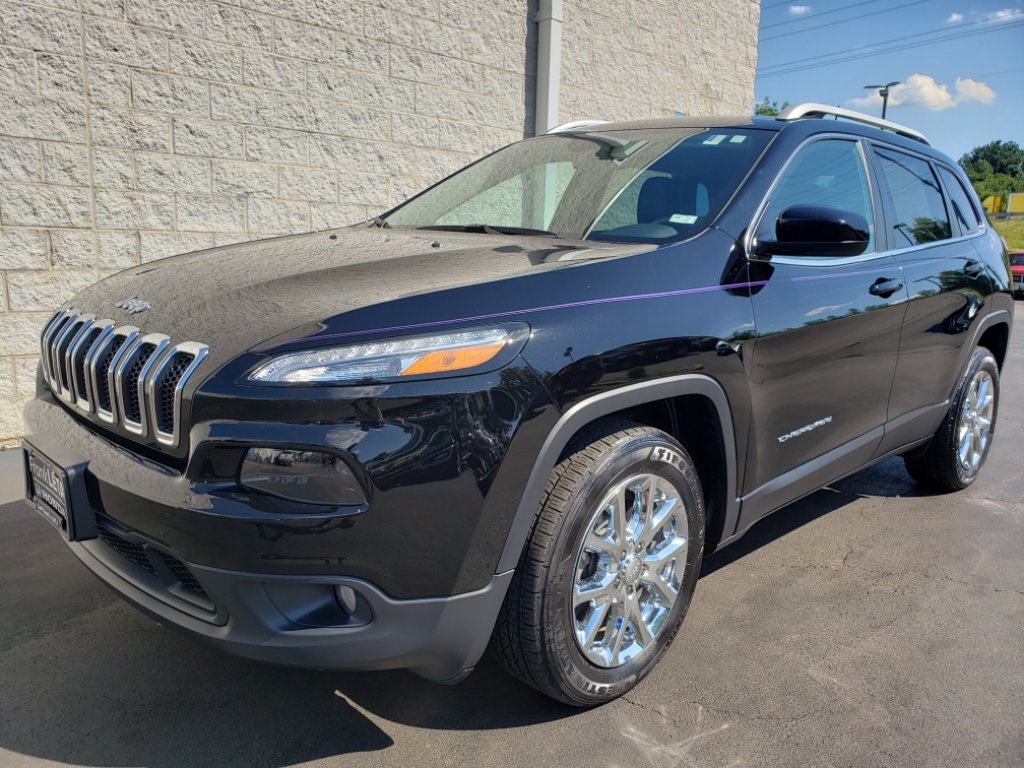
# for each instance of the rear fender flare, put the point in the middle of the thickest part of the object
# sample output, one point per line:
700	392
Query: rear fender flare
992	318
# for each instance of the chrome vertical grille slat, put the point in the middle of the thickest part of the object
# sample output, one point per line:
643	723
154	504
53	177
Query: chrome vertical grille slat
164	386
79	331
60	347
45	334
53	332
130	373
84	397
131	381
100	369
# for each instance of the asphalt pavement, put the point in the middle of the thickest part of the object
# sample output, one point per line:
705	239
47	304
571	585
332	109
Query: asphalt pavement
870	624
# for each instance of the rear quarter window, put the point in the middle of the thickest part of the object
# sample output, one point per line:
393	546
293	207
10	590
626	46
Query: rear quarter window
963	209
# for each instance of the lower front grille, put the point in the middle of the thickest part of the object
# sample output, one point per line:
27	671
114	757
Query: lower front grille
135	553
171	572
183	574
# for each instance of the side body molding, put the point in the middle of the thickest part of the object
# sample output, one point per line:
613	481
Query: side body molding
604	404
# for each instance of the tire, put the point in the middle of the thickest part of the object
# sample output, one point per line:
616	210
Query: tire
942	464
539	637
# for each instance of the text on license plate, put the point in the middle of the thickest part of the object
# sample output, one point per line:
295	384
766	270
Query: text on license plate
49	486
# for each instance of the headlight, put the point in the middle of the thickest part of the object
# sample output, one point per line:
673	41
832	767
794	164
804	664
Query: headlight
415	356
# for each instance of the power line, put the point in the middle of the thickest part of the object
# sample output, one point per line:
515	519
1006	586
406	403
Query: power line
902	38
842	21
790	67
819	15
992	74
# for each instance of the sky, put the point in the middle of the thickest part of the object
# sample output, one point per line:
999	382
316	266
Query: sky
960	63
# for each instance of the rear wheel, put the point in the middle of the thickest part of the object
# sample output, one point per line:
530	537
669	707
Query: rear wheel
609	569
955	455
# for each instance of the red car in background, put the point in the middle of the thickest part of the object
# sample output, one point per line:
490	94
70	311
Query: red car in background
1017	266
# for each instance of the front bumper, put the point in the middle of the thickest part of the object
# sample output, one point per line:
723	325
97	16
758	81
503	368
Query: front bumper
294	620
260	617
261	583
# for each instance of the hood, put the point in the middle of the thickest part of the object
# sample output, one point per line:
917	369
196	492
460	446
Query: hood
235	297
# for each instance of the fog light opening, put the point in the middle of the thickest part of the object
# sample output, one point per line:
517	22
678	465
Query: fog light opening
305	476
346	598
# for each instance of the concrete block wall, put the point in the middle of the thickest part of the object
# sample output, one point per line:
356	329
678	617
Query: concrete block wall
131	130
658	58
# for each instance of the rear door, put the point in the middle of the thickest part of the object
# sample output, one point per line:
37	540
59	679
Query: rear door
827	337
947	282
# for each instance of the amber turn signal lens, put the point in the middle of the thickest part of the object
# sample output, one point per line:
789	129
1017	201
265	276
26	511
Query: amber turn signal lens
452	359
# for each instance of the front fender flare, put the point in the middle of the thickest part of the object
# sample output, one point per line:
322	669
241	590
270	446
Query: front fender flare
604	404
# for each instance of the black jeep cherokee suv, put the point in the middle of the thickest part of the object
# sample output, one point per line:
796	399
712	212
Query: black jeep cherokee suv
520	407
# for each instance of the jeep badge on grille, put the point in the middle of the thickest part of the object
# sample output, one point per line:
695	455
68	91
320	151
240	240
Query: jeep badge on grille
133	305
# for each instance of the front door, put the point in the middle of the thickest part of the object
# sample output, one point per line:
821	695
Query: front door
827	342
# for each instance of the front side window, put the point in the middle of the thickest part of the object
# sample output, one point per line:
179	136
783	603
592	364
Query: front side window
828	172
655	185
914	198
963	210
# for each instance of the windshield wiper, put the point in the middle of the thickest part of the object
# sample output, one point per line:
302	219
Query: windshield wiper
490	229
377	221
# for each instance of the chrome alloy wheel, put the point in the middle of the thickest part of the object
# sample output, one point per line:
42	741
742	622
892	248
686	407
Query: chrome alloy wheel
629	569
975	425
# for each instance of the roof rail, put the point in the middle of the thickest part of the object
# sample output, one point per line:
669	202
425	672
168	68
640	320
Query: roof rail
812	109
576	125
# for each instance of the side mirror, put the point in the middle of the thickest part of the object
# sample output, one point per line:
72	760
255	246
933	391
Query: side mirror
816	230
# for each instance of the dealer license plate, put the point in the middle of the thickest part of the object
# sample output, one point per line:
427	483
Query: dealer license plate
48	489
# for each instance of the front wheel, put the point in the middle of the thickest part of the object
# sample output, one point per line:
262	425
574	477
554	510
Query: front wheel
956	453
610	567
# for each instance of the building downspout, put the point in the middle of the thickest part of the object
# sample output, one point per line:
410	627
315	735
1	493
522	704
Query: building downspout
549	65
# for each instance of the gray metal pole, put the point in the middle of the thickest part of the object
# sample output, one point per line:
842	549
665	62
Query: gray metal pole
549	65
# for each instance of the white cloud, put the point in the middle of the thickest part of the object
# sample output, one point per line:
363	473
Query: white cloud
799	10
925	92
955	18
1005	14
968	89
922	91
870	102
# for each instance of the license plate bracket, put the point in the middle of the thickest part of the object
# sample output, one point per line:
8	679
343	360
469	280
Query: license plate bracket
55	486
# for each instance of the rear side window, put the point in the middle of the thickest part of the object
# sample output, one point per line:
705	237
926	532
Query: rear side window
965	213
914	198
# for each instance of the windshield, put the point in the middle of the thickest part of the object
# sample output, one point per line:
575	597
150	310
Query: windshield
631	186
1017	259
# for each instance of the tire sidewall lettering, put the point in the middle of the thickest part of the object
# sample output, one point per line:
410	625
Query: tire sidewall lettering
637	455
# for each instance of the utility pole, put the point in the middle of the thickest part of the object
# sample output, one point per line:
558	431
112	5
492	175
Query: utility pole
883	91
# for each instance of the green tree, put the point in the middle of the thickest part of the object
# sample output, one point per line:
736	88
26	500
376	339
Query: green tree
768	108
997	184
997	168
995	157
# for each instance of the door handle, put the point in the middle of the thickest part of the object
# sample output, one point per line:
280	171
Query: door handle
973	268
885	287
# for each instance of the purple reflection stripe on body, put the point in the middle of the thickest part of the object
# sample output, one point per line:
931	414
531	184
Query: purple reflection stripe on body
512	313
